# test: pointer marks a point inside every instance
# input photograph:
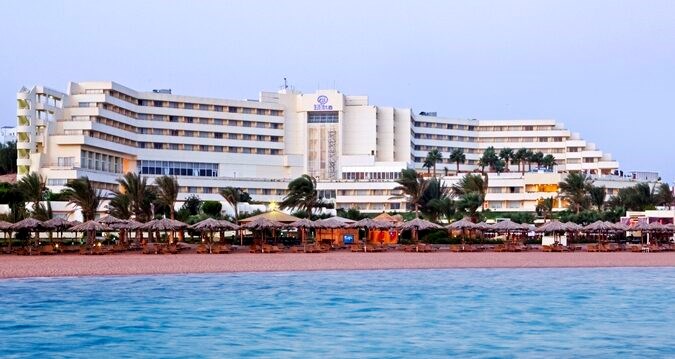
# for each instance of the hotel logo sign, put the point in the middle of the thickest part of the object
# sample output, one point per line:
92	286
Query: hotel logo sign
322	104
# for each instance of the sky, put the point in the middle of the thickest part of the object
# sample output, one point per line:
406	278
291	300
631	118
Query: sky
606	69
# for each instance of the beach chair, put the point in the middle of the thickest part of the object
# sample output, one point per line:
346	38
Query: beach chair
356	248
47	249
201	249
149	249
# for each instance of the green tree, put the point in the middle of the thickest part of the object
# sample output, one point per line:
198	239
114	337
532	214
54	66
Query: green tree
529	158
411	186
141	196
548	161
192	205
433	203
427	164
545	207
597	196
457	156
433	157
13	198
520	156
33	189
470	203
664	196
81	192
120	206
167	192
212	208
302	195
506	154
232	196
575	190
489	159
538	158
8	157
470	190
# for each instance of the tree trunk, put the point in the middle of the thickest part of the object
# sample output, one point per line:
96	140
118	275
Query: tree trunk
457	166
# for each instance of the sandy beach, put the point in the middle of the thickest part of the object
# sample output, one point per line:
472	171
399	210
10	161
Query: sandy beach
136	264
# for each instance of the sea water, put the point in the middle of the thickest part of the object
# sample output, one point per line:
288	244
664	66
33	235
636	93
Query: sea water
617	312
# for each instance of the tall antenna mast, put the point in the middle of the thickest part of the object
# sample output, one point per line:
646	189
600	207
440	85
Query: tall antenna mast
285	84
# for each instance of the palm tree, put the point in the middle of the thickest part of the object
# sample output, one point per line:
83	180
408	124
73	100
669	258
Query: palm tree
545	207
232	196
412	186
549	161
506	154
433	202
427	164
597	196
489	159
470	203
529	158
664	196
457	155
434	156
82	193
33	188
521	156
538	158
575	190
470	183
120	206
302	195
140	195
167	192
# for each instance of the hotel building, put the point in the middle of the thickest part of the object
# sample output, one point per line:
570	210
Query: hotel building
355	150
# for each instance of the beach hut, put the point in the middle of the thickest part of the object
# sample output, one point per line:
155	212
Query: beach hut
31	225
261	225
508	227
387	236
368	225
164	225
5	227
336	230
90	227
415	226
302	226
556	228
211	225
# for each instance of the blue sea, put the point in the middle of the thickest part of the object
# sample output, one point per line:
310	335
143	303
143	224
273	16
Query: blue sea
539	313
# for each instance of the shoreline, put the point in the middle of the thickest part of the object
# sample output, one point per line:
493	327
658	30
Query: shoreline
75	265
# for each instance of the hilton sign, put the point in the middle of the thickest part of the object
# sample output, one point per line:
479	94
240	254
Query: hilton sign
322	104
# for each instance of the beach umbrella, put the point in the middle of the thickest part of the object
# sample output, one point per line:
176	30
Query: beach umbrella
29	224
211	225
462	225
59	224
108	220
369	224
600	228
302	225
5	228
90	227
333	223
552	227
416	225
164	224
508	227
261	224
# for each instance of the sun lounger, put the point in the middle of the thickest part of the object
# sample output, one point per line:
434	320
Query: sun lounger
356	248
201	249
47	249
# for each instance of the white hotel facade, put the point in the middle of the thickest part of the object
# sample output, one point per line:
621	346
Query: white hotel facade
355	150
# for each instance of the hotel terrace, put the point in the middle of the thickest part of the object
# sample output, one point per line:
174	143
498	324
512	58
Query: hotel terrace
355	150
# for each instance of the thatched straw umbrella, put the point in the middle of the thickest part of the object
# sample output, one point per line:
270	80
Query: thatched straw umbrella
90	227
601	228
509	227
164	224
211	225
462	225
5	228
261	224
115	223
556	227
31	225
331	223
417	225
368	224
58	224
302	226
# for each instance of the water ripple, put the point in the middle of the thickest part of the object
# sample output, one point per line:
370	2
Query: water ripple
367	314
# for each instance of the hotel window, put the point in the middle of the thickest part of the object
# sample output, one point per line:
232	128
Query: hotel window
158	146
260	111
274	151
260	151
173	118
187	147
204	148
173	104
188	106
187	133
173	146
232	110
65	161
204	107
217	121
174	132
232	136
189	119
218	135
247	110
246	150
322	117
158	103
218	108
247	123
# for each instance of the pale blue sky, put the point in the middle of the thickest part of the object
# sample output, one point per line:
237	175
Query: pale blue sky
604	68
